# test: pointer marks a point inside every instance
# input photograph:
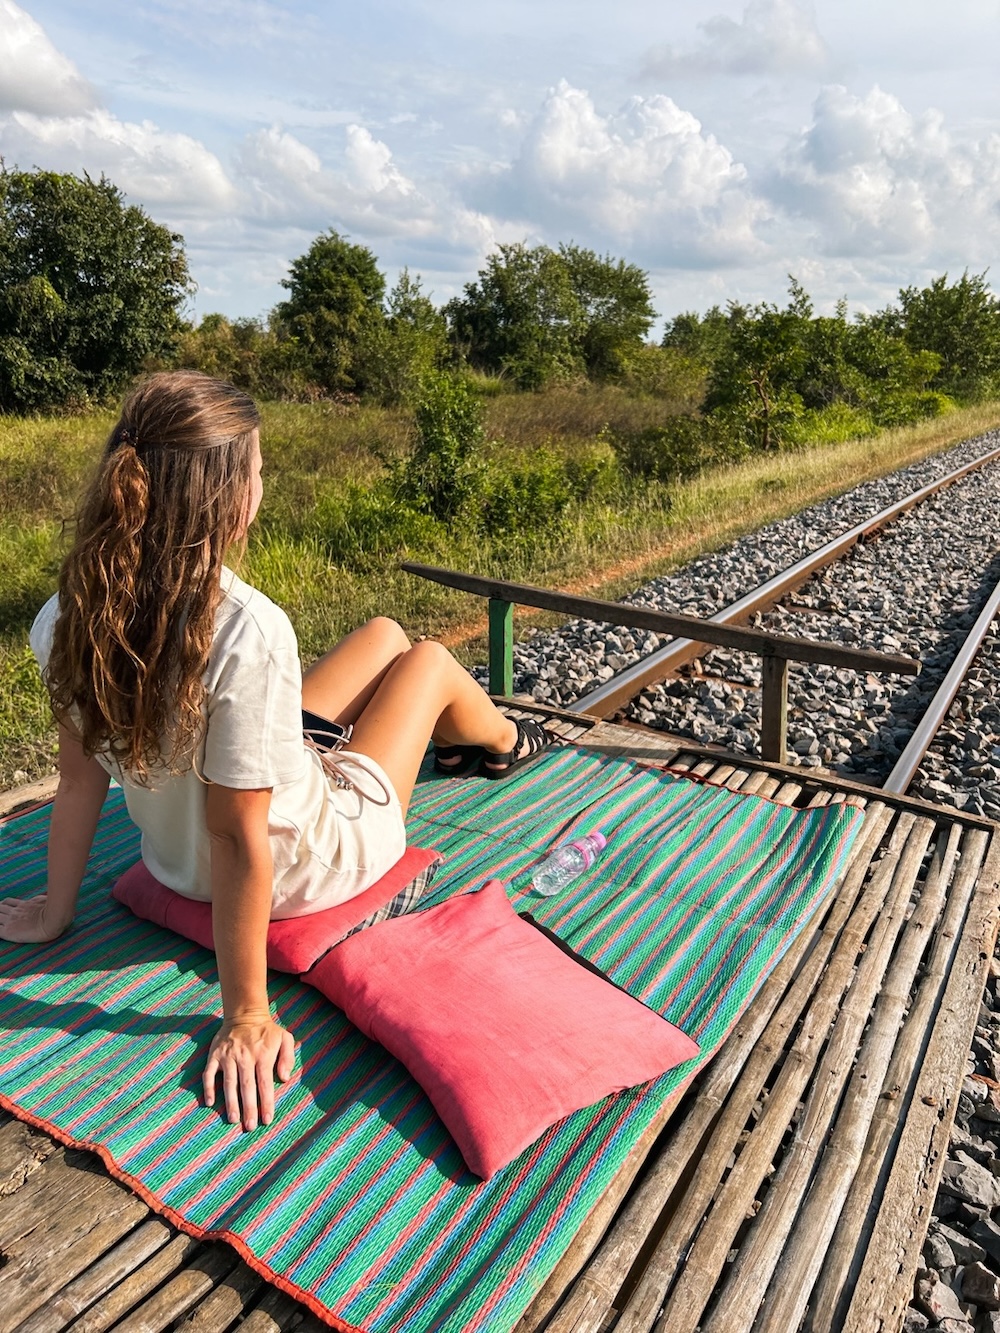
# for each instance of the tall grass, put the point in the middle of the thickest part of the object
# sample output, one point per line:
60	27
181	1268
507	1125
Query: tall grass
607	544
567	416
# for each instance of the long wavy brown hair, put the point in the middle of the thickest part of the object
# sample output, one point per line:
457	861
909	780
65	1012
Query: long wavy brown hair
138	591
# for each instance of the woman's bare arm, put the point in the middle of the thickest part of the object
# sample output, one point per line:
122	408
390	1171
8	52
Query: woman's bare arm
83	785
250	1044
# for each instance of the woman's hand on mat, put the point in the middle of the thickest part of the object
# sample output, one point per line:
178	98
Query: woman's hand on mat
247	1053
30	921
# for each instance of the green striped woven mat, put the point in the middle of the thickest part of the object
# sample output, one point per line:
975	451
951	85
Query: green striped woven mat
355	1200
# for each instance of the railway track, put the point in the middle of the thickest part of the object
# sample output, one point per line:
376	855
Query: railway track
874	730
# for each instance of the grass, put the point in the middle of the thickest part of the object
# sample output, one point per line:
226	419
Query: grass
567	417
605	547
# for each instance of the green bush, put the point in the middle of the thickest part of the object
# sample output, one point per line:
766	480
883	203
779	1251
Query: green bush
679	448
247	354
906	409
666	373
594	474
364	527
441	473
522	504
833	425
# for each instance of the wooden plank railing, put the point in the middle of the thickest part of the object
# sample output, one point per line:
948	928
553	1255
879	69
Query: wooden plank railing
776	650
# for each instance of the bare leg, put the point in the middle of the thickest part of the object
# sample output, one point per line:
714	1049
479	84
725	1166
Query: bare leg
425	693
340	685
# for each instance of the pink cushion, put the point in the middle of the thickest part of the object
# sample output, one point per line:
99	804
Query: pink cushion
293	945
505	1033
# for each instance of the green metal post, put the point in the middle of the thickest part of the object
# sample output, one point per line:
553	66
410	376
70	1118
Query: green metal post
501	647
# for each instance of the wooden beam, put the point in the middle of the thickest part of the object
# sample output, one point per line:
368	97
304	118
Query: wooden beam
774	709
663	622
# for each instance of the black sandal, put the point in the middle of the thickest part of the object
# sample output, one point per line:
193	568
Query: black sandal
529	733
466	755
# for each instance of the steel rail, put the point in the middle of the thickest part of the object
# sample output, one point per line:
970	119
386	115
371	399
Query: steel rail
937	710
620	689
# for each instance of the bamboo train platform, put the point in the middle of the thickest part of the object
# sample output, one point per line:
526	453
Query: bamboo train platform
790	1188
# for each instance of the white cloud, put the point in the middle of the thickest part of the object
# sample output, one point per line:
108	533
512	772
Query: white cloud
370	167
166	172
34	76
875	180
773	37
283	180
280	174
646	177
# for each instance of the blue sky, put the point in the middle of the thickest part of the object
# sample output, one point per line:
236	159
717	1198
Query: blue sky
721	146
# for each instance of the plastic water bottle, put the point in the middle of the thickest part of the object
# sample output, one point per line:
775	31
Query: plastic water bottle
566	861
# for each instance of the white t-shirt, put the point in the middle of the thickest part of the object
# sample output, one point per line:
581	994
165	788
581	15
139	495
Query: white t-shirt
328	844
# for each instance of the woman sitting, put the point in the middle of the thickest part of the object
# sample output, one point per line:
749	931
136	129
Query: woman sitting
169	673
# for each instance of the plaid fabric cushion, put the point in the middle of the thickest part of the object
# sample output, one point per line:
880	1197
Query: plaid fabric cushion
405	900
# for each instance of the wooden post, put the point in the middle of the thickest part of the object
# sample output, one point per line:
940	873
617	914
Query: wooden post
501	647
774	708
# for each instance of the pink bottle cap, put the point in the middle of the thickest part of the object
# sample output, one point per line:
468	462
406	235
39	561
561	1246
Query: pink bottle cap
591	843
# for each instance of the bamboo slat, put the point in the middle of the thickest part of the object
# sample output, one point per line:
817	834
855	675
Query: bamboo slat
106	1273
138	1285
761	1031
831	1130
275	1313
22	1151
60	1222
788	793
840	1228
886	1279
766	786
882	906
42	1264
819	798
42	790
223	1305
176	1298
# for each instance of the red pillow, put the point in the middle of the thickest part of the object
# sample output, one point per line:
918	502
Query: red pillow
504	1032
293	944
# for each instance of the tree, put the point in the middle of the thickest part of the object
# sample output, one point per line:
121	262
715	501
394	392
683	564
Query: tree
616	309
246	353
521	319
783	376
335	302
397	354
753	389
89	288
961	324
538	314
704	338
